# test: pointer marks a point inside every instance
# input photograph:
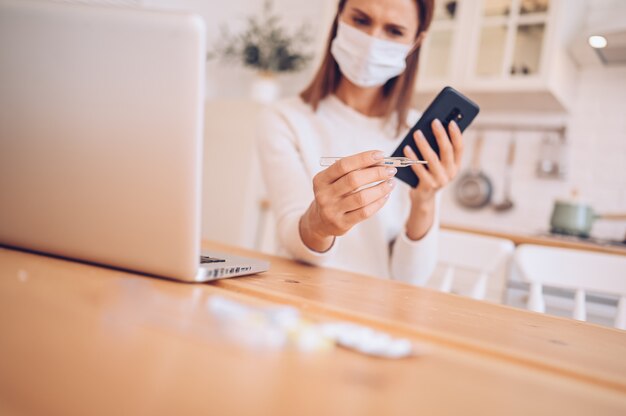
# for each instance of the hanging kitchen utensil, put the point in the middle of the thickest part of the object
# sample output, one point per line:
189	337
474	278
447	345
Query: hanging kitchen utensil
474	189
507	203
551	163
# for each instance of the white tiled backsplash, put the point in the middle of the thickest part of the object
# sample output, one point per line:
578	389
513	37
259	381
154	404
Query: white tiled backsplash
596	155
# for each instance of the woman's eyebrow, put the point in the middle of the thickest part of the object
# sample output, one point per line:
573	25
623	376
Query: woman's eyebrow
361	12
396	26
390	25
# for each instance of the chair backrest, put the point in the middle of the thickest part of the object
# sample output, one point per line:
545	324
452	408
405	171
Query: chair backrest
474	253
230	131
577	270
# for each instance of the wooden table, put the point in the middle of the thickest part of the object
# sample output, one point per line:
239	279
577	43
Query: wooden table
77	339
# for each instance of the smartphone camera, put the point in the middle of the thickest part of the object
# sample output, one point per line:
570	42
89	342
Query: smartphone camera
455	114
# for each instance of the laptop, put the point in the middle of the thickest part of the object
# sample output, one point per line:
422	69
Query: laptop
101	130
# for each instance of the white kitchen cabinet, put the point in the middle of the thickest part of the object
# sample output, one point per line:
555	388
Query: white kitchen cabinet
506	54
440	52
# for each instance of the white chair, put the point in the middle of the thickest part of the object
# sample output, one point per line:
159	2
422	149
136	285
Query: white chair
479	255
576	270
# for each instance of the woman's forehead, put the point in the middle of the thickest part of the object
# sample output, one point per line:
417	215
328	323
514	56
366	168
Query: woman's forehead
399	12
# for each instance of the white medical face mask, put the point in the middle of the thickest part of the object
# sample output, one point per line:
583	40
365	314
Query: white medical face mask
365	60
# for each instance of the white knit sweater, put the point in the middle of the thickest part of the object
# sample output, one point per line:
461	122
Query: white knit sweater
292	138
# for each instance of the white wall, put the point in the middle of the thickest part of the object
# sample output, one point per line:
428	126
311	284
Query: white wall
231	81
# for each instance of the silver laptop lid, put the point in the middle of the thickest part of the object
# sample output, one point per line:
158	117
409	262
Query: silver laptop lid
101	134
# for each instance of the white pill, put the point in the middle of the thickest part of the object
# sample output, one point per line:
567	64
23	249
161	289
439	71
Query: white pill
400	348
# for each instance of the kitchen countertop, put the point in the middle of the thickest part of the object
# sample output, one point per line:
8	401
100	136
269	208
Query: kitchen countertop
537	238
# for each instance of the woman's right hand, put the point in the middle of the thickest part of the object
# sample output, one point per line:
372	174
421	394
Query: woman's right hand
339	203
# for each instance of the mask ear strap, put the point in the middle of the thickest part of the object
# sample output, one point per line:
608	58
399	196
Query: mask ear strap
418	42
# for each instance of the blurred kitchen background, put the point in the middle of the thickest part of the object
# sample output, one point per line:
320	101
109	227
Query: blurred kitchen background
552	126
528	64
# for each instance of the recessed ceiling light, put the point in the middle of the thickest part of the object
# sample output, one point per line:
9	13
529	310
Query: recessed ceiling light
597	42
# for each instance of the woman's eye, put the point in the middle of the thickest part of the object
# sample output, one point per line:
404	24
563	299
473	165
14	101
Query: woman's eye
395	32
360	21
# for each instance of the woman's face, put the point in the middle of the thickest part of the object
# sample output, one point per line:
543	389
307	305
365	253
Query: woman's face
394	20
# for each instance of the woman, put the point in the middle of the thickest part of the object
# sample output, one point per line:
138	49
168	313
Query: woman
357	107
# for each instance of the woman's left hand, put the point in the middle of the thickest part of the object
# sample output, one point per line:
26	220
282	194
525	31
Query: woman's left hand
441	170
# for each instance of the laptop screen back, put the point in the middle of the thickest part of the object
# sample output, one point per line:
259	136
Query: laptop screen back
101	134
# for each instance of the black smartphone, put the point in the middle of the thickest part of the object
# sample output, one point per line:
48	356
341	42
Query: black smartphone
447	106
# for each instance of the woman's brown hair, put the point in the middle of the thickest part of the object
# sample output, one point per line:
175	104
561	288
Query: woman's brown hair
396	92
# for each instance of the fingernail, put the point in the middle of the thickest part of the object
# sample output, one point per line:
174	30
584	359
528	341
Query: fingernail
378	155
408	148
391	183
438	123
421	136
391	171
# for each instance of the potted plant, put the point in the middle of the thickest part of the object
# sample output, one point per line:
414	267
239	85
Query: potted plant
268	48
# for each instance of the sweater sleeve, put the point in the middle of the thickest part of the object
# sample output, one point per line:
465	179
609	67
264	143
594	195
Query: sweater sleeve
414	261
288	184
